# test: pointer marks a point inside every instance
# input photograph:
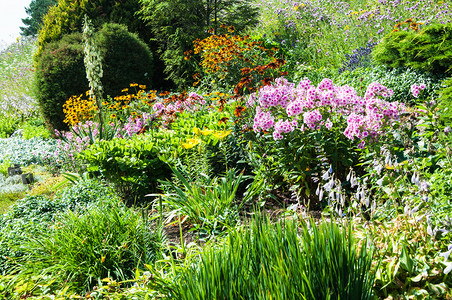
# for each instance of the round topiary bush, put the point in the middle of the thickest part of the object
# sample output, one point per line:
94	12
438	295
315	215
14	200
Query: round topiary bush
126	58
61	74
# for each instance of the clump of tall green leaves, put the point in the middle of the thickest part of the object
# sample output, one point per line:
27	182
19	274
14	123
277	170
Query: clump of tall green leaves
272	261
33	214
209	203
82	248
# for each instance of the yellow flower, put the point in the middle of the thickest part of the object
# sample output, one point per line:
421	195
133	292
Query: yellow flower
206	132
142	86
124	90
133	84
191	143
221	134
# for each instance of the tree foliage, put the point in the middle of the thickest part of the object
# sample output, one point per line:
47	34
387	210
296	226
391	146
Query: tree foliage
67	17
36	11
175	24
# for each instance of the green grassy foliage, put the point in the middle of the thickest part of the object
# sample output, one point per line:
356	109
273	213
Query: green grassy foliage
82	248
271	261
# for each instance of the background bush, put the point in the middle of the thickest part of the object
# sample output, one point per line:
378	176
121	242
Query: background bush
429	50
67	17
59	75
175	24
126	59
398	79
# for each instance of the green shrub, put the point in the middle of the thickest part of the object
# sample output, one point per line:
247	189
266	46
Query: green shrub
399	80
61	71
32	131
429	50
59	75
126	59
174	29
83	248
134	166
445	101
271	261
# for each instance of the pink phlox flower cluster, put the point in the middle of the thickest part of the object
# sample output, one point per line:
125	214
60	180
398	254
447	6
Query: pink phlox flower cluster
380	110
347	100
135	125
357	127
158	107
328	124
276	95
295	108
365	116
192	103
326	84
416	89
377	90
251	100
312	118
283	127
263	120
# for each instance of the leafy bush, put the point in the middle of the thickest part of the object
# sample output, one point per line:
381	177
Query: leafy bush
134	166
174	30
271	260
61	71
31	131
83	248
228	59
445	101
7	126
59	75
429	50
126	58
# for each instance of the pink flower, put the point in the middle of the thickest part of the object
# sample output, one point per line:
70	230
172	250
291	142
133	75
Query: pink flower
415	89
328	124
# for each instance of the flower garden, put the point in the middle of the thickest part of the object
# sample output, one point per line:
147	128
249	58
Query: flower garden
306	156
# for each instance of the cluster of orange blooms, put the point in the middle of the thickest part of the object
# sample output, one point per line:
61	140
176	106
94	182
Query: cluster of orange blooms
246	82
78	109
409	23
217	50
